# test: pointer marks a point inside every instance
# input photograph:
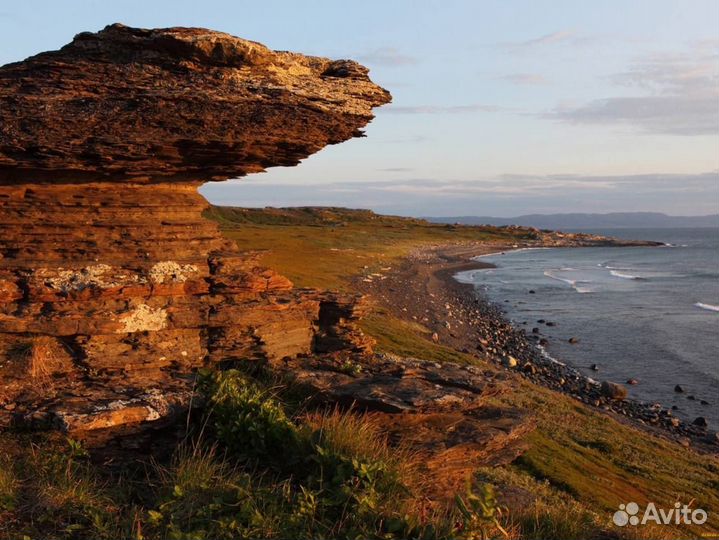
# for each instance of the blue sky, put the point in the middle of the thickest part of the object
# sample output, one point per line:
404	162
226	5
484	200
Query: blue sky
500	107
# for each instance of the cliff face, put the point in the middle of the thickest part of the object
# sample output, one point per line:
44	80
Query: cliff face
113	288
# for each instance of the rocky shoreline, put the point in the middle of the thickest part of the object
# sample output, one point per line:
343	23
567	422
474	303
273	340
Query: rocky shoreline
424	289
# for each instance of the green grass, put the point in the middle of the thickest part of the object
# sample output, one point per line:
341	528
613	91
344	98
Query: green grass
408	338
318	247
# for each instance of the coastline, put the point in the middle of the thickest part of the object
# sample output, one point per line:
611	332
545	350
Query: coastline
423	289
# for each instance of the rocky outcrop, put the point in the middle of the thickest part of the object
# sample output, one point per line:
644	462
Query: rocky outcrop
441	411
113	288
134	105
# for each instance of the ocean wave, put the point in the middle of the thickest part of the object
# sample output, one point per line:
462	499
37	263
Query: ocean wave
574	283
549	274
708	307
583	290
510	250
549	357
467	277
624	276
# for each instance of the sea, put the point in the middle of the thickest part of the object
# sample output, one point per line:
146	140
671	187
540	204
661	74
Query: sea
644	313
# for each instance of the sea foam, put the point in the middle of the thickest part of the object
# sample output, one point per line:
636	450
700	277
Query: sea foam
573	282
623	276
708	307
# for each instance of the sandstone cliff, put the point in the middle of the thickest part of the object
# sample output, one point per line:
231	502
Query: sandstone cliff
113	288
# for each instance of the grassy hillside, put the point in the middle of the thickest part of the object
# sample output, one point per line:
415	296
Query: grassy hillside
576	451
322	247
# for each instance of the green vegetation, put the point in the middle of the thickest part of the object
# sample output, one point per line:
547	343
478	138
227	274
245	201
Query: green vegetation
256	472
322	247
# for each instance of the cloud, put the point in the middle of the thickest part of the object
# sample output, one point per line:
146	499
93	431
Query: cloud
541	41
554	37
387	56
679	95
440	109
524	78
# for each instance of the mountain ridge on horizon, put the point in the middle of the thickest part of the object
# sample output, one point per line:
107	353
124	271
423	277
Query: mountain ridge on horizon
580	220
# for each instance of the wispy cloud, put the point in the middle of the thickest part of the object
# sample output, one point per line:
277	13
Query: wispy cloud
524	78
440	109
679	96
541	41
387	56
396	169
554	37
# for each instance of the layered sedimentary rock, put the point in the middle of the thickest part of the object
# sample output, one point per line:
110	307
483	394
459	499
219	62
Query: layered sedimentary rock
113	288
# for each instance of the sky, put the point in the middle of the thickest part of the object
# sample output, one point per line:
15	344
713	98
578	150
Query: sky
500	107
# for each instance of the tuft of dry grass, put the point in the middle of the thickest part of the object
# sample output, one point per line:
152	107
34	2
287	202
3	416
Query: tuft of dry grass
42	356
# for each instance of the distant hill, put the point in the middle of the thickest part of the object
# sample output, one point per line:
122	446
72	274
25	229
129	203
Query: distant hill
568	222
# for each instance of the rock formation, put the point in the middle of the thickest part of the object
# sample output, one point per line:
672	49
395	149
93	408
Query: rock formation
113	288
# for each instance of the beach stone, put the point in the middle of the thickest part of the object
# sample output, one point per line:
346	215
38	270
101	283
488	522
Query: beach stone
435	337
679	389
632	382
700	421
573	340
594	367
510	361
613	390
549	323
532	291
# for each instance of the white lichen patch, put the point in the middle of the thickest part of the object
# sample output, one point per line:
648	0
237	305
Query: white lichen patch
168	271
96	275
143	318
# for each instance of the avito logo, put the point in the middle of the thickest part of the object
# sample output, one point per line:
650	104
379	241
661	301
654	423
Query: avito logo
628	514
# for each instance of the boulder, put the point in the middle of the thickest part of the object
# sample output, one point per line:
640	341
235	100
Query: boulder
613	390
509	361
